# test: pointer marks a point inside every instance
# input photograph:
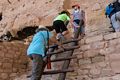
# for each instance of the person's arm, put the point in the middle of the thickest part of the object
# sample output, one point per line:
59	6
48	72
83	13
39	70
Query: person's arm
70	20
52	40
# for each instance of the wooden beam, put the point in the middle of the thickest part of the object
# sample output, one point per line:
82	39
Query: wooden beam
57	71
67	62
62	59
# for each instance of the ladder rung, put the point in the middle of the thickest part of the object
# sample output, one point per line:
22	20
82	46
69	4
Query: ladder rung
62	59
71	40
57	71
54	72
63	50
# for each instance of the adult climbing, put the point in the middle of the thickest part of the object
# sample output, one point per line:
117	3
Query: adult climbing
37	50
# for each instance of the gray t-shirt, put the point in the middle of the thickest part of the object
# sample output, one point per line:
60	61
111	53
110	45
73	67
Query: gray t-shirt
78	15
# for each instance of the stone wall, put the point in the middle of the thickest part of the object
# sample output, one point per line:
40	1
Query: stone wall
13	60
17	14
98	58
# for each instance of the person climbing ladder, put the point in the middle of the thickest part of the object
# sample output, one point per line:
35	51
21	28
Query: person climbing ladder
37	50
60	23
78	19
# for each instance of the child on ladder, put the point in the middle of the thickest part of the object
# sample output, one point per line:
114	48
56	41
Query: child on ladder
78	19
60	24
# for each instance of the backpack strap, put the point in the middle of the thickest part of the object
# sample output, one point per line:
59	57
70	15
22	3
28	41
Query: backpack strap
46	44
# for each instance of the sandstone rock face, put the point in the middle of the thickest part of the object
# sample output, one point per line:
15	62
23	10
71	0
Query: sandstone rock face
96	7
17	14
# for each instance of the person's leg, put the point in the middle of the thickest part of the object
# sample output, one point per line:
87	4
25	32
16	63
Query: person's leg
117	29
64	29
119	26
56	26
79	30
115	22
76	25
37	67
118	21
118	15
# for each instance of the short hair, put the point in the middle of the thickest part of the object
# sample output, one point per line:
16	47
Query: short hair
64	12
76	5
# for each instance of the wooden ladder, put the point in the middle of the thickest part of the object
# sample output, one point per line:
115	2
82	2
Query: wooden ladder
73	44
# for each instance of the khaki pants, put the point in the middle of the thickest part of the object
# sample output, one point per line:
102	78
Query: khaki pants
37	66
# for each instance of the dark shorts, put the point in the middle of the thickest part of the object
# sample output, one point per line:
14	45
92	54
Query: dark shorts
59	26
77	21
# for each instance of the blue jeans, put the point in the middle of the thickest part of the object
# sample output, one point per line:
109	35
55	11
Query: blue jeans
81	24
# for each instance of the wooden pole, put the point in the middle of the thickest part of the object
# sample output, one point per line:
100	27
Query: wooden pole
67	62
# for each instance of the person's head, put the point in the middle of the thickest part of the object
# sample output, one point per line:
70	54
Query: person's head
76	7
65	12
41	28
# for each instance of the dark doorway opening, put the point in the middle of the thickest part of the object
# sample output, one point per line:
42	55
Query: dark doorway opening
28	31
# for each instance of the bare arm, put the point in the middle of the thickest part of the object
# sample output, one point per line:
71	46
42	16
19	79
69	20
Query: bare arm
53	40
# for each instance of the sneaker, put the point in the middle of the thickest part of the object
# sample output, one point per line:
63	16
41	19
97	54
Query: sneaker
59	35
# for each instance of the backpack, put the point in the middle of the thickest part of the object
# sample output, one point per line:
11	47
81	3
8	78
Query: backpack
109	9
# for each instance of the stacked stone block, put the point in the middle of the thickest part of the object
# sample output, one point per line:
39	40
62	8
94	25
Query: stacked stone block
13	60
98	58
